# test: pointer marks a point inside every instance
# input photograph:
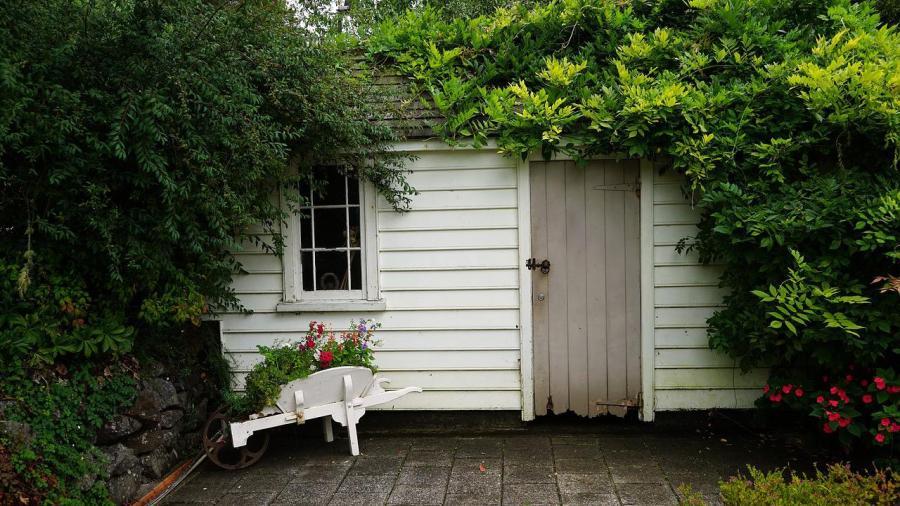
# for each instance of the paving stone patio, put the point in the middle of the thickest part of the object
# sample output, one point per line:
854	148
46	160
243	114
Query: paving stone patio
525	468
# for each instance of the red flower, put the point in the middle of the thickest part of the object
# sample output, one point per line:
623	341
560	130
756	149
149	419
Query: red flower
326	357
867	399
775	397
879	438
833	403
864	382
849	378
879	383
885	422
820	399
894	428
766	389
893	389
833	416
833	390
798	392
312	325
320	328
310	343
787	388
843	422
826	428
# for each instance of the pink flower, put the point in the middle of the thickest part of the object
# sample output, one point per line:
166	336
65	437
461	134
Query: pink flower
826	428
893	389
867	399
833	403
787	388
864	382
833	416
843	422
879	383
885	422
879	438
776	397
798	392
766	389
849	378
820	399
833	390
894	428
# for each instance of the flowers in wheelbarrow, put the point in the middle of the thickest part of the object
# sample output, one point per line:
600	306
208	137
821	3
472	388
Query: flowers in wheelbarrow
321	348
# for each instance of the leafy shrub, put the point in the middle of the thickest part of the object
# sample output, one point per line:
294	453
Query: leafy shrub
321	349
142	142
837	486
63	408
783	115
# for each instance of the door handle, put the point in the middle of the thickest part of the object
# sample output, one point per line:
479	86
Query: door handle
532	264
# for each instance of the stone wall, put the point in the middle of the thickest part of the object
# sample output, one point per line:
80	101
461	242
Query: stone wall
160	430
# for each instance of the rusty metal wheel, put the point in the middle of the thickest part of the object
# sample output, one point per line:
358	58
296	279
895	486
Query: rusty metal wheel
218	448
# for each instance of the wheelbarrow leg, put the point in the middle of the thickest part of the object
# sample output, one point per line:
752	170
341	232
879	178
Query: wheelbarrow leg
326	427
351	416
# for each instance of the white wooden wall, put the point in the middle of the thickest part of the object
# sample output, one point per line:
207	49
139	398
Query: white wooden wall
688	375
449	278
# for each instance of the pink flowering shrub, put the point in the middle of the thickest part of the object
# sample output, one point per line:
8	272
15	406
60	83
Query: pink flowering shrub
857	406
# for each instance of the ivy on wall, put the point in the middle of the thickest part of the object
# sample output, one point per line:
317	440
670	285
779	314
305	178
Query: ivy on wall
783	115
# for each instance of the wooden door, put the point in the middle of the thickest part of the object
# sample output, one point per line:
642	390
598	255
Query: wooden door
586	309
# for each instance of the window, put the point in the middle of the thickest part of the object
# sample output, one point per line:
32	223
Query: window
329	255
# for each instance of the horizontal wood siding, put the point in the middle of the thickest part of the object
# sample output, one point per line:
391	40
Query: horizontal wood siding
689	375
449	278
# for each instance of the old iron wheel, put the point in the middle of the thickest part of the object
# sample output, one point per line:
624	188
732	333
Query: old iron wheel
217	444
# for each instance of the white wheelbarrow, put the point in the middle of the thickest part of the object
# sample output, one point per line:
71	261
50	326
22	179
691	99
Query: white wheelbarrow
341	394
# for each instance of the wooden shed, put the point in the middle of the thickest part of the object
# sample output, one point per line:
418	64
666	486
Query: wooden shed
535	286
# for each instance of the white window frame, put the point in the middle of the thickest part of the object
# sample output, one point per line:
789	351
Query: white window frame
367	298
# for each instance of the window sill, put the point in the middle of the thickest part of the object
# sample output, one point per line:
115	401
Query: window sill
330	305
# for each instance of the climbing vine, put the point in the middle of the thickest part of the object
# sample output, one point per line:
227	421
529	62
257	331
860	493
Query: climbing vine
782	114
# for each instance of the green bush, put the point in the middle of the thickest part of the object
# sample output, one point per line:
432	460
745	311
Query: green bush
783	114
63	407
141	142
838	486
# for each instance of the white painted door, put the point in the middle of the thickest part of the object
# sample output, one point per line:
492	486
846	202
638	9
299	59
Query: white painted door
586	307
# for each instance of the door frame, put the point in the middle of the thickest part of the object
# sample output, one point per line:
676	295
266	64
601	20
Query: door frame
526	361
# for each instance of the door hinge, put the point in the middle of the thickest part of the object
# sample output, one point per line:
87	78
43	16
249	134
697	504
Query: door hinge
624	403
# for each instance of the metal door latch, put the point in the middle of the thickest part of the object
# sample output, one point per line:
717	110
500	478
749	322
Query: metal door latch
532	264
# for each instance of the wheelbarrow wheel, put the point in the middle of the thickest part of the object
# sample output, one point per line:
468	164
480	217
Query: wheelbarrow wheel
219	449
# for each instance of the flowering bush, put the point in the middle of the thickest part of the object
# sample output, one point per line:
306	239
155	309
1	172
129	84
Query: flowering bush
857	405
322	348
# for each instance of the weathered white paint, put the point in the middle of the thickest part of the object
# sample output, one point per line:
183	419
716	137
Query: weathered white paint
686	373
457	313
447	273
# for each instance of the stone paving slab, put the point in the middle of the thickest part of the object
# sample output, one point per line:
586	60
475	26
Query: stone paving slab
526	469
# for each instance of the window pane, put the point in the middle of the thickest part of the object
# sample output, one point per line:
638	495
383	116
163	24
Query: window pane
353	190
331	270
332	187
306	229
307	267
355	231
331	226
355	270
